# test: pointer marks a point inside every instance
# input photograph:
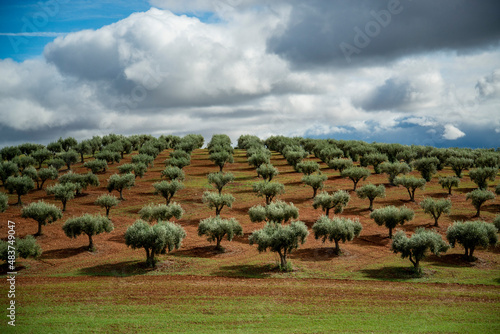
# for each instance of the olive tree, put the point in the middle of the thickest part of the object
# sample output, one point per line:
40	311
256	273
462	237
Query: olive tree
23	248
45	174
411	184
87	224
269	190
144	159
391	216
340	164
480	176
156	239
459	164
41	156
120	182
107	201
82	181
173	173
4	202
220	158
282	239
69	158
96	166
24	162
63	192
217	201
161	212
337	201
336	229
56	163
436	207
356	174
217	228
371	192
259	158
267	171
278	212
83	148
315	181
393	169
426	166
7	169
219	180
374	159
478	197
415	247
167	189
448	182
496	222
43	213
21	185
472	234
109	156
307	167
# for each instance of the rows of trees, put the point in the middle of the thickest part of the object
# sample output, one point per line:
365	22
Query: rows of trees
22	169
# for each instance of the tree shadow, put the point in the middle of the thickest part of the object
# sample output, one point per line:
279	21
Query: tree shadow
201	252
460	217
120	269
63	253
449	260
315	254
492	208
392	273
4	268
120	238
463	190
246	270
381	240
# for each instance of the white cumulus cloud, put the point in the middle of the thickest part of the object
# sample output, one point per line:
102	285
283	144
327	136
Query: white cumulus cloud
451	132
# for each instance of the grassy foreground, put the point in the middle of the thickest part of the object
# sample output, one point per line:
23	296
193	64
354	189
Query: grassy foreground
180	304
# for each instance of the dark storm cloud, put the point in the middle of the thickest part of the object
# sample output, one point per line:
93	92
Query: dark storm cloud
391	95
358	31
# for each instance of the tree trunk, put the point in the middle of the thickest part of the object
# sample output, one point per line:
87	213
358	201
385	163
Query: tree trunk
82	159
91	243
19	202
371	204
390	232
315	190
218	247
64	205
436	221
327	212
39	229
121	195
478	213
355	184
412	196
283	260
107	211
449	190
471	253
217	211
337	247
220	167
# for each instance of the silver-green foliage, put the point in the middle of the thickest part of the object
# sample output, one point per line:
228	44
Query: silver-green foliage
21	185
436	207
478	197
167	189
43	213
336	229
219	180
156	239
481	176
268	190
45	174
393	169
337	201
371	192
448	182
340	164
281	239
315	181
415	247
63	192
278	212
217	201
120	182
173	173
4	202
391	216
217	228
472	234
411	184
161	212
107	201
24	247
356	174
267	171
87	224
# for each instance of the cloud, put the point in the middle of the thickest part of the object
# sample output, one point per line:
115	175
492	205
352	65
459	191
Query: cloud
163	73
345	33
451	132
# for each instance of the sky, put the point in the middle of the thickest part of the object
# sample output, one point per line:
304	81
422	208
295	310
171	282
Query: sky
400	71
